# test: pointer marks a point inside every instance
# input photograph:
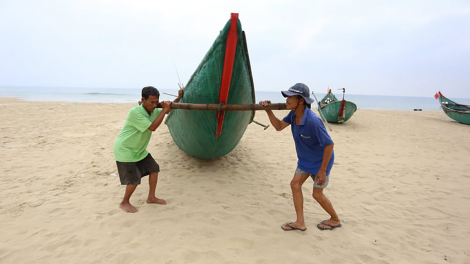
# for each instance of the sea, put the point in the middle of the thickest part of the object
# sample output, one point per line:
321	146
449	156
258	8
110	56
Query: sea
129	95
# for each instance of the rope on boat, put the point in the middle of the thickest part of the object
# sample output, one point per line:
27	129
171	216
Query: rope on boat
217	133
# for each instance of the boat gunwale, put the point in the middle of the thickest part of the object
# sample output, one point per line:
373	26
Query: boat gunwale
337	101
446	104
454	110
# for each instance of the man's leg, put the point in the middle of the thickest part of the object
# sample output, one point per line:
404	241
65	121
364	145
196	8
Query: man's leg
153	178
297	195
125	204
328	207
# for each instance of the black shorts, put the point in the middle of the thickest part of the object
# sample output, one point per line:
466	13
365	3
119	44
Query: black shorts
130	173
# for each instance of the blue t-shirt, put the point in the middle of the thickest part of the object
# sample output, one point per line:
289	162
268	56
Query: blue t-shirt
310	139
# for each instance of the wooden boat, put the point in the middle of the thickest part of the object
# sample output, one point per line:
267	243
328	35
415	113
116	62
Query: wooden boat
458	112
223	77
337	111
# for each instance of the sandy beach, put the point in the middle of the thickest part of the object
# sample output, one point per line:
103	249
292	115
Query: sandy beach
399	184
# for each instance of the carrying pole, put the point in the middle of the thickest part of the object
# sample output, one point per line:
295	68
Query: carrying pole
321	113
225	107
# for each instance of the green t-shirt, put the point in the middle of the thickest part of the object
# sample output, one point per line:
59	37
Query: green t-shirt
131	144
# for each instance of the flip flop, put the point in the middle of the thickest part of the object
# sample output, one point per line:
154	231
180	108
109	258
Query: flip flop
330	225
291	227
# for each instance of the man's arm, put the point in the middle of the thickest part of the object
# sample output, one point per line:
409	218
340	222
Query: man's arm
156	123
276	122
321	174
180	95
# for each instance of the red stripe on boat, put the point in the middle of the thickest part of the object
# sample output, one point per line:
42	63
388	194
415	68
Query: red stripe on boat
341	109
231	47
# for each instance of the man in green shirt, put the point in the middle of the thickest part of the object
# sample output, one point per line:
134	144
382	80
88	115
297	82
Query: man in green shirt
130	148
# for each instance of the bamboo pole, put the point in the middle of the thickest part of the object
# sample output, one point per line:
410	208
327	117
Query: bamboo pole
226	107
321	113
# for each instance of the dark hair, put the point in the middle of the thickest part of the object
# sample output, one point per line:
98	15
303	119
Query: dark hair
309	106
150	90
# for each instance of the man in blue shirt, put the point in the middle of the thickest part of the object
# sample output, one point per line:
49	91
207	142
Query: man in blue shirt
314	152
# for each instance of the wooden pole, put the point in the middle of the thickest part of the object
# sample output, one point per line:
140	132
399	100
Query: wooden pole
321	113
226	107
258	123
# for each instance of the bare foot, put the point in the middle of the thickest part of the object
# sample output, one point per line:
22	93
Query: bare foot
155	200
128	208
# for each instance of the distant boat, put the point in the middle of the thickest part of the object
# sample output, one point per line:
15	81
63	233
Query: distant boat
337	111
223	77
458	112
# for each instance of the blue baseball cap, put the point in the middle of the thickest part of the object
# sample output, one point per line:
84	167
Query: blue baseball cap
299	89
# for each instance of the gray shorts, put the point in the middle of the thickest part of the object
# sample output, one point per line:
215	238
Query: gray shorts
130	173
299	171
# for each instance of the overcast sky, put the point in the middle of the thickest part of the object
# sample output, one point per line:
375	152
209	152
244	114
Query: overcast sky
388	47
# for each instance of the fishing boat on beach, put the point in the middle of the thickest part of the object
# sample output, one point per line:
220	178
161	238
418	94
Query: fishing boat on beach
334	110
222	77
456	111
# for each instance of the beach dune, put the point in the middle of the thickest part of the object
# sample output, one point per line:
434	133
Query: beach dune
400	185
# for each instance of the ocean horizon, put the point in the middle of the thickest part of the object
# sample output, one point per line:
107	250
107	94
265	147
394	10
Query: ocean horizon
129	95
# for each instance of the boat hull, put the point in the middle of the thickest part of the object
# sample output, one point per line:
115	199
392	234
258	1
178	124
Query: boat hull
458	112
195	132
331	111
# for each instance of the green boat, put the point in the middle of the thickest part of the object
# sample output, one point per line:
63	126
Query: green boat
458	112
336	111
223	77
